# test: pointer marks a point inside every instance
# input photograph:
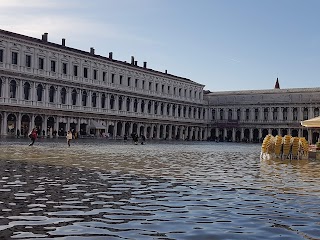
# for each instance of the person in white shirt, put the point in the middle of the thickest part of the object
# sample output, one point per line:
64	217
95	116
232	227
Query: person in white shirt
69	137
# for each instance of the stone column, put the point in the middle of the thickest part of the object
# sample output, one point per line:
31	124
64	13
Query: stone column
233	134
5	124
115	129
158	131
19	123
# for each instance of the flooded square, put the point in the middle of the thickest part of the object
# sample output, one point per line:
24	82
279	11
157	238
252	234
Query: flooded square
98	189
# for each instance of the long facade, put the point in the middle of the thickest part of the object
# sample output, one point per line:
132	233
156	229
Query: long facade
57	88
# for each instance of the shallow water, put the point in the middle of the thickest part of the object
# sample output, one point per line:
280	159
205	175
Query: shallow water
99	189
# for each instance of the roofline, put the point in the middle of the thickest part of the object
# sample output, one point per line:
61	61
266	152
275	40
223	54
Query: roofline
40	41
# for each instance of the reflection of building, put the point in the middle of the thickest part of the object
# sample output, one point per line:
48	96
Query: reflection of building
57	88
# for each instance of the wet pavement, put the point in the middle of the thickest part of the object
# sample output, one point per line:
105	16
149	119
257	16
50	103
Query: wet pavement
98	189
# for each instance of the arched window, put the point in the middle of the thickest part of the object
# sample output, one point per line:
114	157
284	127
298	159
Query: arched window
275	113
149	106
184	111
247	114
194	112
135	105
84	98
128	104
63	95
168	109
305	114
51	94
74	97
94	99
295	114
103	101
230	114
179	111
316	112
111	102
120	102
265	114
256	114
39	92
161	108
13	89
142	106
213	112
174	110
26	91
285	113
156	108
190	112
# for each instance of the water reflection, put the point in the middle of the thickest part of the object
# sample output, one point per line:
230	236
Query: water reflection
115	190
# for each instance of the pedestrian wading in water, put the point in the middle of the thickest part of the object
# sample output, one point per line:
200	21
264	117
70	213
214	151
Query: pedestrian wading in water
33	136
69	137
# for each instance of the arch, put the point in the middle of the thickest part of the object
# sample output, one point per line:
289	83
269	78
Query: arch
179	111
274	132
255	135
26	91
39	92
161	108
184	111
149	106
315	137
50	124
74	97
120	100
13	89
294	133
156	108
135	105
168	109
112	102
173	130
154	132
149	132
284	132
221	114
135	128
51	94
38	123
119	129
230	114
265	132
128	104
103	100
63	95
11	124
161	131
238	136
305	134
127	129
246	135
142	106
173	110
229	135
94	100
141	130
25	123
84	98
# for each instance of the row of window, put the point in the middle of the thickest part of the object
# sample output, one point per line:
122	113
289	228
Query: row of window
114	78
275	114
145	105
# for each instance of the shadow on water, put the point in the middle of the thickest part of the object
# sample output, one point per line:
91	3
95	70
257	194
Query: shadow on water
99	189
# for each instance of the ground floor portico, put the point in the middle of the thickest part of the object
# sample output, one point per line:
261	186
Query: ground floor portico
19	122
257	133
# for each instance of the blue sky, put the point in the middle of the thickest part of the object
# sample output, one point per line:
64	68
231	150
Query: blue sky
223	44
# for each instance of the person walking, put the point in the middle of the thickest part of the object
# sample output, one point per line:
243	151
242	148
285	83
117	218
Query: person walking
33	136
69	137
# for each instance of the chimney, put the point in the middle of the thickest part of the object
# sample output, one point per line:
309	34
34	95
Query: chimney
110	55
166	71
45	37
63	42
145	64
92	50
132	60
136	63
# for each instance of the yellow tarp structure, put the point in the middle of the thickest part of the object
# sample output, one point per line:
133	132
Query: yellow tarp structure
313	122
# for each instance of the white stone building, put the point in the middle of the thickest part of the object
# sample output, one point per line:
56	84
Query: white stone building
56	88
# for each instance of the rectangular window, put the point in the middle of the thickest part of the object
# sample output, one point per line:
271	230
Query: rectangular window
41	63
1	55
142	84
53	66
157	87
64	68
120	80
112	78
85	72
150	85
136	83
162	88
75	70
129	81
95	74
28	60
14	58
104	75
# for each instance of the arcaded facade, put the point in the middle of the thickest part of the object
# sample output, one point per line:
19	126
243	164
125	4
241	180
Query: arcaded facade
57	88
